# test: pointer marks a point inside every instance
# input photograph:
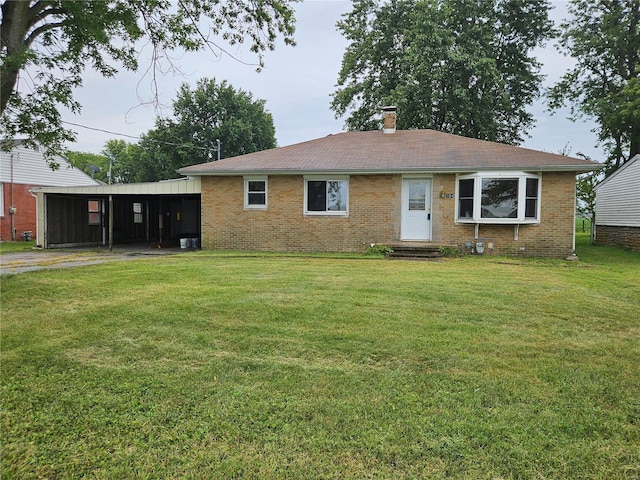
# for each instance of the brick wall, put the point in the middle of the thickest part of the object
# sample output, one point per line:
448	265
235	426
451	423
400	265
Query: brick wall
374	213
25	216
374	217
552	237
626	237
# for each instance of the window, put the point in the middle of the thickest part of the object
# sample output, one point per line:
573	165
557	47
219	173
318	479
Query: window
94	212
465	202
531	199
1	199
255	192
326	196
501	197
417	196
137	212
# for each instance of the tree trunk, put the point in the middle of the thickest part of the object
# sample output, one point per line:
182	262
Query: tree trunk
635	139
15	23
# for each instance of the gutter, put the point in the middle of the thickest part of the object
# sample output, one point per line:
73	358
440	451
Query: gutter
383	171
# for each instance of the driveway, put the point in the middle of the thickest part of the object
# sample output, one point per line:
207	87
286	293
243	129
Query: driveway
20	262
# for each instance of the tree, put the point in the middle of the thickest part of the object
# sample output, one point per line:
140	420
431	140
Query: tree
203	116
603	37
87	162
458	66
586	199
127	161
56	41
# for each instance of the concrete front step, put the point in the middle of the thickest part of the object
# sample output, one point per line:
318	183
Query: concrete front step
418	250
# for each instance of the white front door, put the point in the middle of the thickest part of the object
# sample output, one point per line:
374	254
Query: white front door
416	209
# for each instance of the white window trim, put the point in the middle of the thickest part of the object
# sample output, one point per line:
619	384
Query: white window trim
252	178
1	199
477	198
325	178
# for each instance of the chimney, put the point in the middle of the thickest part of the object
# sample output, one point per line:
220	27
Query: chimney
389	119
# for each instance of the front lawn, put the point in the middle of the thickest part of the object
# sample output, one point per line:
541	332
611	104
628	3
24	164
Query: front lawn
267	367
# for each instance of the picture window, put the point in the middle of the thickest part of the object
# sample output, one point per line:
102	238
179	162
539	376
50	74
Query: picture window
326	196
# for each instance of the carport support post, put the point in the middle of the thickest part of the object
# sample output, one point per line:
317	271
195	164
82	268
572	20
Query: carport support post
110	222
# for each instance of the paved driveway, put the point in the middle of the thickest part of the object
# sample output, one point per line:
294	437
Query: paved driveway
12	263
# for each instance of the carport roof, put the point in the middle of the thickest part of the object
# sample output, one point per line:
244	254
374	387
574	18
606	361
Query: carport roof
182	186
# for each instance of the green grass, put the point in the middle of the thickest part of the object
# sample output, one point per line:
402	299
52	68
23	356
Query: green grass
13	247
583	225
206	366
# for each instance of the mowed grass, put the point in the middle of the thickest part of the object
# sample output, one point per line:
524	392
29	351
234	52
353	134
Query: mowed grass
14	247
267	367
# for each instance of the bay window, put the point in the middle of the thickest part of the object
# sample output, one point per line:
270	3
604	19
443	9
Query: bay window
498	197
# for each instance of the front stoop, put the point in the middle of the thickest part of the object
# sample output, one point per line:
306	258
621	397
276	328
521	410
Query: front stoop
417	250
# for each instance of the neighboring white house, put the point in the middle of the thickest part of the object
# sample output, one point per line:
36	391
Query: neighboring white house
618	207
21	170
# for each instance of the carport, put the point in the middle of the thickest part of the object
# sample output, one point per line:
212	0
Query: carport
161	214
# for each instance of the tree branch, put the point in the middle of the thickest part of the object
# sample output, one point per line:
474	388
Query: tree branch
39	31
44	14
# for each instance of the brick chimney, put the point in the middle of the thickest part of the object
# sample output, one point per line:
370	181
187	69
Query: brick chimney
389	119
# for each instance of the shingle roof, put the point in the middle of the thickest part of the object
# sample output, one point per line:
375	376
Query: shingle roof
403	151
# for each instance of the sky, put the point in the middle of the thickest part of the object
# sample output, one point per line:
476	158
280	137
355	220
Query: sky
296	84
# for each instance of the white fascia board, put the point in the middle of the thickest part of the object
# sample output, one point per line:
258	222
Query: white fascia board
386	171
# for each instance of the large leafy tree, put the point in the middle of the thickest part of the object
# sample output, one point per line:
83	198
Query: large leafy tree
55	41
603	37
209	116
459	66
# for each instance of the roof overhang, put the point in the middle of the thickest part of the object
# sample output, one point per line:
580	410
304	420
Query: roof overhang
386	171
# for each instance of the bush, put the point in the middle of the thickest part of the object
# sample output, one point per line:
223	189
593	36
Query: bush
379	249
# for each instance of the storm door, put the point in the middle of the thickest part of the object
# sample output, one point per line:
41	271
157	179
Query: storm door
416	209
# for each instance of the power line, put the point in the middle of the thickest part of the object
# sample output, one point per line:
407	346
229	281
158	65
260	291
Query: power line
137	138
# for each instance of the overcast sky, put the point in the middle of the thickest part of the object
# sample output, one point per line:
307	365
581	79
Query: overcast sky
296	83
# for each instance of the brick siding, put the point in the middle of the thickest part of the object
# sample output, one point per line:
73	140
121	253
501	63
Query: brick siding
374	217
625	237
25	216
284	227
552	237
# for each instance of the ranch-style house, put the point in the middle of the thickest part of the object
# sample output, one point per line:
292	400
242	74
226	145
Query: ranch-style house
346	192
